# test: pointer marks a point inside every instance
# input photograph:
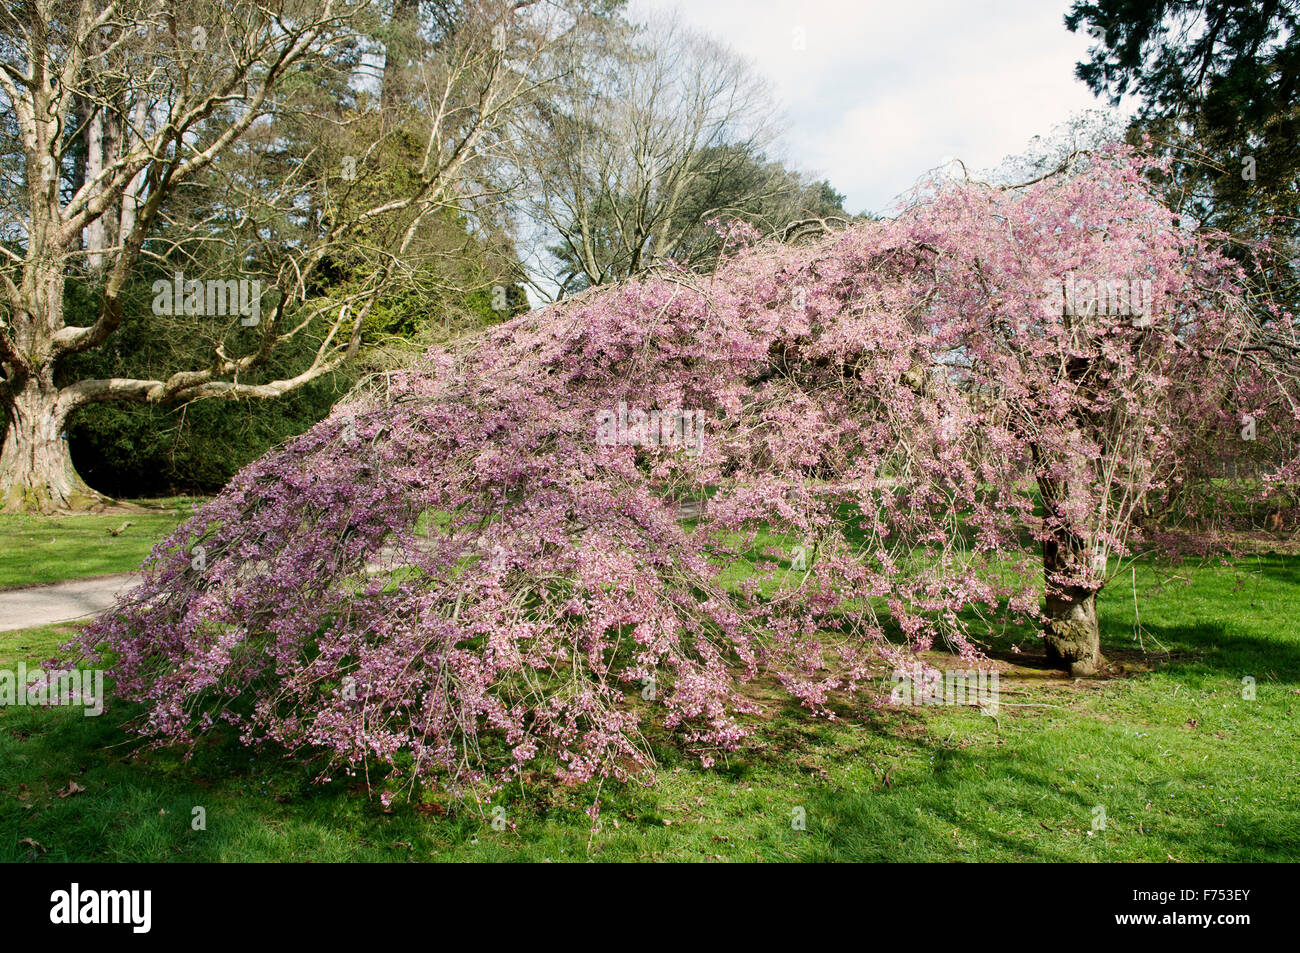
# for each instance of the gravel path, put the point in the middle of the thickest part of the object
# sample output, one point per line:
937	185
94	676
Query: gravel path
61	601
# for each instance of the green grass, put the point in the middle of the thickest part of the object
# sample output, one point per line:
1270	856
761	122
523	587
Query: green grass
1183	765
28	645
40	549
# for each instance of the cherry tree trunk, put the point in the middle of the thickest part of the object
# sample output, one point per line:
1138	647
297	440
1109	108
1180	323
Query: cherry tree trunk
1071	631
36	472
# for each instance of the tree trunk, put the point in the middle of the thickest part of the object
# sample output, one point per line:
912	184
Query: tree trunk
1071	631
36	472
120	142
96	240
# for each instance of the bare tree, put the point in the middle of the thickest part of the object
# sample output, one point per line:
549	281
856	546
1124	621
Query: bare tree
150	132
651	120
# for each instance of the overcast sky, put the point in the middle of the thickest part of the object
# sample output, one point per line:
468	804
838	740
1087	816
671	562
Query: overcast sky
883	90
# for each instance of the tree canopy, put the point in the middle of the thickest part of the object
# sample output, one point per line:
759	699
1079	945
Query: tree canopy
479	567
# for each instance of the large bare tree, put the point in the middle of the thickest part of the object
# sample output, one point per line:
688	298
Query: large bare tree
144	134
621	164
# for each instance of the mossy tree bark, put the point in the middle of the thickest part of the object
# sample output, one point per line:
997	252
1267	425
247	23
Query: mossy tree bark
36	472
1071	630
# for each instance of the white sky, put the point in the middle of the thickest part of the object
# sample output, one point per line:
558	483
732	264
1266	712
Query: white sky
887	89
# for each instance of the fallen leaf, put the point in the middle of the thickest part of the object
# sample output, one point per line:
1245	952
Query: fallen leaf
72	788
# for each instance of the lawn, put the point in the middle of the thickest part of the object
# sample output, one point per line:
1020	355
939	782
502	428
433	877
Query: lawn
1184	766
40	549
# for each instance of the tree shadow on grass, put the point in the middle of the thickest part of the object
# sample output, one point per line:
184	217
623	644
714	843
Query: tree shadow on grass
1278	567
1210	647
960	811
1200	646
